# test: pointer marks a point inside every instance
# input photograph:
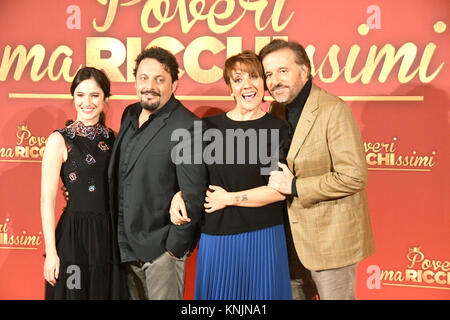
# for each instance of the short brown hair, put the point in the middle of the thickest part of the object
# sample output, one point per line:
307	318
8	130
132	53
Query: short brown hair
301	57
249	62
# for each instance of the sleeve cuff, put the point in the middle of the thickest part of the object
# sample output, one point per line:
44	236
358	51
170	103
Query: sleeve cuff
294	187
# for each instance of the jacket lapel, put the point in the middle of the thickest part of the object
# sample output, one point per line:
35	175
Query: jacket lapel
304	125
155	126
119	137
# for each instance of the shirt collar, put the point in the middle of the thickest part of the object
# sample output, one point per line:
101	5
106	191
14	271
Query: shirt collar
168	107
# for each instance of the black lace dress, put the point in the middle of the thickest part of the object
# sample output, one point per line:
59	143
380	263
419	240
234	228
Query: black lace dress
84	239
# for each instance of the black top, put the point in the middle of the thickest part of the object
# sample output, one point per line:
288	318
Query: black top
241	170
84	174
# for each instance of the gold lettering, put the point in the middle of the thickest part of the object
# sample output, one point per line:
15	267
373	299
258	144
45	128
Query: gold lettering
350	64
426	264
42	141
212	15
437	277
196	14
259	7
407	53
332	56
36	54
24	240
23	134
387	275
425	62
66	64
369	158
4	227
414	257
111	14
134	47
155	7
32	141
426	276
34	152
276	17
383	158
153	11
234	45
191	59
6	153
3	238
385	146
391	275
422	160
398	276
446	266
411	275
375	147
21	152
392	147
310	50
94	47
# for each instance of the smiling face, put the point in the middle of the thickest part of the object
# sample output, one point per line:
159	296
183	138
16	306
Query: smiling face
284	77
246	88
154	85
89	100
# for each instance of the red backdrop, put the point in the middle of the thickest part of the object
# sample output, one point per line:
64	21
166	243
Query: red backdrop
388	59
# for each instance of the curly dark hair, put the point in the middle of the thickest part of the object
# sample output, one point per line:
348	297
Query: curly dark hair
163	56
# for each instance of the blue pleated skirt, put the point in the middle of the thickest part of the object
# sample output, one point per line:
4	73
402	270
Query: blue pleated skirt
245	266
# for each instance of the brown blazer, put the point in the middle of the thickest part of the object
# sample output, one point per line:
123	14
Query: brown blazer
329	219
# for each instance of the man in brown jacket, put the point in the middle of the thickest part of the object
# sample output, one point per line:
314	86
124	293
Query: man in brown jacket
326	176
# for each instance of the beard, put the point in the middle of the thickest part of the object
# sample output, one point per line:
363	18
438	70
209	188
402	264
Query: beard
147	105
283	98
150	106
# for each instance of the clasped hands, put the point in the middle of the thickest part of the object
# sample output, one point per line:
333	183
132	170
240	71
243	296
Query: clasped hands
218	198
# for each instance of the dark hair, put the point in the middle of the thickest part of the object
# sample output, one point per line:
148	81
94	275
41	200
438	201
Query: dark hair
162	56
301	57
92	73
99	77
249	62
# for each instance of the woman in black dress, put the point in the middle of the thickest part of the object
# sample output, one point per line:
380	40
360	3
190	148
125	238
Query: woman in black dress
80	262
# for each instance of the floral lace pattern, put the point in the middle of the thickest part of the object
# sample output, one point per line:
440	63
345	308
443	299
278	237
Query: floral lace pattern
78	128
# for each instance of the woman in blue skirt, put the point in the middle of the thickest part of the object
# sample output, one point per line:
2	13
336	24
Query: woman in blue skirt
242	250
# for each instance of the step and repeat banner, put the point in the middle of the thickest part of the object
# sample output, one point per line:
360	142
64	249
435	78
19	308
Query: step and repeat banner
388	59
